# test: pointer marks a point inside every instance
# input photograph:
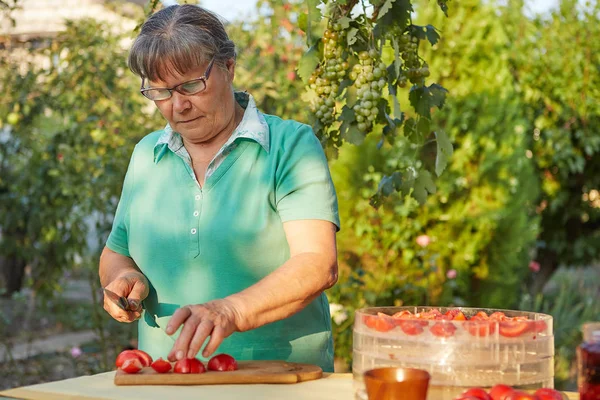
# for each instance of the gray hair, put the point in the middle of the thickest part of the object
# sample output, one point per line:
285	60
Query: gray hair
177	39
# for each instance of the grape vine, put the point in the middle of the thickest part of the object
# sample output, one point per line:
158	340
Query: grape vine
355	71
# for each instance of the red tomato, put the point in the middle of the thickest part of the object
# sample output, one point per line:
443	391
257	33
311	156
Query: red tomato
538	326
402	314
498	316
500	392
513	328
222	362
144	357
380	322
410	327
548	394
477	326
460	317
463	397
189	366
478	393
127	355
161	366
518	395
132	366
443	329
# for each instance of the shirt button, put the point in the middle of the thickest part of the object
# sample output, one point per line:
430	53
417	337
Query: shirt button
196	213
193	231
198	197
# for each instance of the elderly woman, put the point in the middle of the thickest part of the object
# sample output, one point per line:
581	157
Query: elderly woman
224	236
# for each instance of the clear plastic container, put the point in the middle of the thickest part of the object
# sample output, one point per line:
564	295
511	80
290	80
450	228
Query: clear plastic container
458	354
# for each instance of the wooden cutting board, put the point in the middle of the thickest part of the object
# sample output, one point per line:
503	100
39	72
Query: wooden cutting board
248	372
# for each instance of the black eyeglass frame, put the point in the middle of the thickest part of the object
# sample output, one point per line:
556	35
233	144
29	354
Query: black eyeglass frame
177	88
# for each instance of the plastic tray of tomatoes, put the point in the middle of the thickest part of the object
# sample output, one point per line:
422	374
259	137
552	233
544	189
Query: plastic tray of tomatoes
451	322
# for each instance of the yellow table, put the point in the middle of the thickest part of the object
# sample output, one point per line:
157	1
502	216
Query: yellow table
101	386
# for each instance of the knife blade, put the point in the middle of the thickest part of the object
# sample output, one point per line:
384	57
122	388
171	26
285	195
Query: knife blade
119	301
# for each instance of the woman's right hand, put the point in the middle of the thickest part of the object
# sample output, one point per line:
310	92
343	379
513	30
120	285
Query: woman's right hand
133	286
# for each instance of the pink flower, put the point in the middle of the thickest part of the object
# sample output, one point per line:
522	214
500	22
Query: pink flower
534	266
76	352
423	240
451	274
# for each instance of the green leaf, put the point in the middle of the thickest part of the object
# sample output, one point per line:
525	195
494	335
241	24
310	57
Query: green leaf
398	15
385	8
313	11
423	98
354	136
424	185
432	34
344	22
346	116
444	152
303	22
351	36
424	126
410	127
308	63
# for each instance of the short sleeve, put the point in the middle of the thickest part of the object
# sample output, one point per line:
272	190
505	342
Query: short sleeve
118	240
304	187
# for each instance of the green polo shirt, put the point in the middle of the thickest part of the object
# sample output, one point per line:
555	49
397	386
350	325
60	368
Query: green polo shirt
196	244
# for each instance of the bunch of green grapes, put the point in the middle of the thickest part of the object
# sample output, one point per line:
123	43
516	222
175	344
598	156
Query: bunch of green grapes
414	69
326	78
369	76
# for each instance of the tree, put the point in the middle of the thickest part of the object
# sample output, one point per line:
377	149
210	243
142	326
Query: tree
71	128
555	66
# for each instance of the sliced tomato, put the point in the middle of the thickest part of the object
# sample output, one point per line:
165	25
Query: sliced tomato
518	395
460	317
513	328
538	326
189	366
127	355
478	326
161	366
431	314
501	392
548	394
498	316
132	366
464	397
478	393
443	329
380	322
410	327
222	362
145	357
403	314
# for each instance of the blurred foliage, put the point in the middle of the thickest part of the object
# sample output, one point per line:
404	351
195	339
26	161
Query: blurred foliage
555	64
571	297
70	122
269	49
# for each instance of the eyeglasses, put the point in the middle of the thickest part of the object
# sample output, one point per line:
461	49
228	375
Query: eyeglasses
186	88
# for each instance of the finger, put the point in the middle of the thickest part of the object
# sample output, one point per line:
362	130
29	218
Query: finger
138	293
205	329
115	312
185	336
216	338
179	317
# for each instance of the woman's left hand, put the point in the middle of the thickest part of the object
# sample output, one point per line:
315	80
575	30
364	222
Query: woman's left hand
217	319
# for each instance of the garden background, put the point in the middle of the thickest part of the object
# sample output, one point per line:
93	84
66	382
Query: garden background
513	222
